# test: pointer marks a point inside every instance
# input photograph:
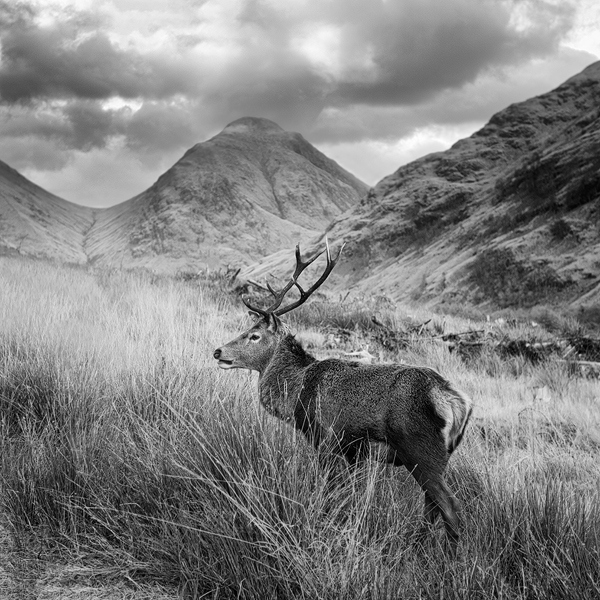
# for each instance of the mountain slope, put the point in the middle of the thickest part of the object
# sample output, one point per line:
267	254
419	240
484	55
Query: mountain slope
35	222
510	215
248	191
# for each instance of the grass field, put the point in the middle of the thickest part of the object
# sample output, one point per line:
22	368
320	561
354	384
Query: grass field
130	465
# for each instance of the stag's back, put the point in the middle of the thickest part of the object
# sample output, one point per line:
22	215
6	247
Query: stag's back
375	401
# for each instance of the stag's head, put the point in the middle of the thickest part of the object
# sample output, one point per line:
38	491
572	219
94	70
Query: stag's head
254	348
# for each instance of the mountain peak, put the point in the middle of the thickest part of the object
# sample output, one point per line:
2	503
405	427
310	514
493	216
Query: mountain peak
253	125
248	191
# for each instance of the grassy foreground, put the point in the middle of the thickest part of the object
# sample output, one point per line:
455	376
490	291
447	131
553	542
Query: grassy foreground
125	452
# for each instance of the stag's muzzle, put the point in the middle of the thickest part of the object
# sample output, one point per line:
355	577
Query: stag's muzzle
223	363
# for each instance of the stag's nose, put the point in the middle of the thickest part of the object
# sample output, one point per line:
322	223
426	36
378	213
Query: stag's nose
217	353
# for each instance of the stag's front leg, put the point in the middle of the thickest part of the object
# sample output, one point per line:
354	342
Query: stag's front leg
356	452
336	446
331	448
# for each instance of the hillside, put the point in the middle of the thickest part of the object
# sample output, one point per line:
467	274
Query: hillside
248	191
37	223
509	216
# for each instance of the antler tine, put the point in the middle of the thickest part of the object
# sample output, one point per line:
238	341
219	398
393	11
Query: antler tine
300	266
305	295
279	296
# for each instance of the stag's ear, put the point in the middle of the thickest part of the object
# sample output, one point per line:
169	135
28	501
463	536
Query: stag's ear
254	314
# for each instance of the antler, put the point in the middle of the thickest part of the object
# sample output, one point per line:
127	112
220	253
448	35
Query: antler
304	295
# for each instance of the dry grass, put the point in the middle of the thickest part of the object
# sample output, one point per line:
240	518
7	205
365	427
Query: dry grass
127	456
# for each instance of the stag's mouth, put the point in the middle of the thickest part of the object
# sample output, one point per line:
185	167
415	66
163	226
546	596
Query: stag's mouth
225	364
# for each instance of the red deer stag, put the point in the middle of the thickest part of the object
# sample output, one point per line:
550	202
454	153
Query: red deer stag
417	413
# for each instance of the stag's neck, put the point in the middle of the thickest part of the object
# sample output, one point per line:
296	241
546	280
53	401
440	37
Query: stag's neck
279	385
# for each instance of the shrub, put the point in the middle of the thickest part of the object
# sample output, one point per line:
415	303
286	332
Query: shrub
585	191
507	281
560	229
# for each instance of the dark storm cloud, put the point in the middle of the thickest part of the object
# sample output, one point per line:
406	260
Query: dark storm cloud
91	126
409	50
79	125
472	103
154	128
74	59
419	47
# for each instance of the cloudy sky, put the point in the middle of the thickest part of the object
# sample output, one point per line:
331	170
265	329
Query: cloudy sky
98	97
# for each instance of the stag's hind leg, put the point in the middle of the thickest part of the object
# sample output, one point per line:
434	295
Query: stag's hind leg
427	465
431	511
438	499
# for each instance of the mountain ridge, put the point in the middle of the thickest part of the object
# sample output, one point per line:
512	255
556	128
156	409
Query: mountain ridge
507	216
248	190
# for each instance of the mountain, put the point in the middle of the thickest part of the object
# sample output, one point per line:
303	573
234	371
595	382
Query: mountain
232	199
248	191
37	223
509	216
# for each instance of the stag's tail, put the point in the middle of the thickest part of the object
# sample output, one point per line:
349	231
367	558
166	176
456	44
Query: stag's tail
451	406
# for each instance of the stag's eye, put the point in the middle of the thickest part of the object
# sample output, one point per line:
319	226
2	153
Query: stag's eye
254	337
